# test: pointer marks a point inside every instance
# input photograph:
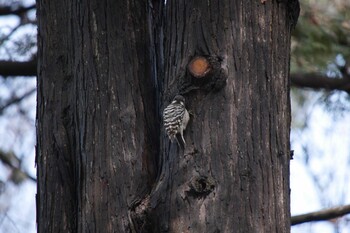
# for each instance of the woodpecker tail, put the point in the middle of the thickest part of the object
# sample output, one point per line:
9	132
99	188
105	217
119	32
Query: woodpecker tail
180	141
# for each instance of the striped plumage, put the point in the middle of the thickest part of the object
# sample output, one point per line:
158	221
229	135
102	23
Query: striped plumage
176	117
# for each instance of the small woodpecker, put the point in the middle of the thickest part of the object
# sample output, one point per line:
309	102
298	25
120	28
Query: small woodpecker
176	117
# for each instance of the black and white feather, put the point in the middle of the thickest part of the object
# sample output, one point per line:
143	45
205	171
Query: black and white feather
176	117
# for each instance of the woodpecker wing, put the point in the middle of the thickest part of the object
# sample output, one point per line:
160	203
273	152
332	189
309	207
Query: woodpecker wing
173	115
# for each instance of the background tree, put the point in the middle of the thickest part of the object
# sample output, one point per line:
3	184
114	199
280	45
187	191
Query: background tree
307	70
320	132
17	115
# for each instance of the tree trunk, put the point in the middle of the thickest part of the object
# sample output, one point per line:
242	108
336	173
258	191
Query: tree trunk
106	71
97	123
234	173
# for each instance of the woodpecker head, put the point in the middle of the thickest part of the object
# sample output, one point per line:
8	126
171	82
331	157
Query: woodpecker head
179	99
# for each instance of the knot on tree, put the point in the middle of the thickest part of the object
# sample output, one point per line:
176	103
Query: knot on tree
201	186
204	73
139	213
199	67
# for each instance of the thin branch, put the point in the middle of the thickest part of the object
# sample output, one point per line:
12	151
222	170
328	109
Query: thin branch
319	81
16	68
12	161
16	100
9	10
15	225
5	38
13	30
325	214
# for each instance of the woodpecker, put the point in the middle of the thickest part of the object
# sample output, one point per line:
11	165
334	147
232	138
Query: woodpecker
176	117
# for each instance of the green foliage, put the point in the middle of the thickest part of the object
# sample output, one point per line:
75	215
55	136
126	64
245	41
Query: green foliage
322	33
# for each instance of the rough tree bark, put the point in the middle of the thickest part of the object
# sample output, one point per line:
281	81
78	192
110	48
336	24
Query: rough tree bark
97	125
234	173
103	164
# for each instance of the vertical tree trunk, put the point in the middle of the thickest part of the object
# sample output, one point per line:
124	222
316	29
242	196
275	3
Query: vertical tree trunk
97	123
233	175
